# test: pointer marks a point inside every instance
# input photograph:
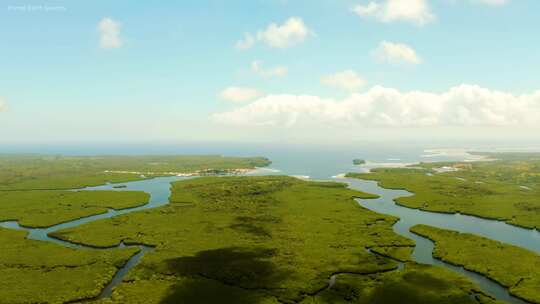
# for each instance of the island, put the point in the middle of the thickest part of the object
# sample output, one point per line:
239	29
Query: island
358	161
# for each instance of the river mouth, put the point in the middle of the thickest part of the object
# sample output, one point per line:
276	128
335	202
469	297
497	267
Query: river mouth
159	190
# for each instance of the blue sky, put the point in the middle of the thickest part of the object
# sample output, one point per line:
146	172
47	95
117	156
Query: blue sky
164	78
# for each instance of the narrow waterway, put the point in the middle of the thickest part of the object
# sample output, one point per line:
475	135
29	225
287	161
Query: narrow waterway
423	251
159	190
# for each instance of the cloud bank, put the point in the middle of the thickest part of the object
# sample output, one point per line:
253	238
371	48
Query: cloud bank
292	32
462	106
109	34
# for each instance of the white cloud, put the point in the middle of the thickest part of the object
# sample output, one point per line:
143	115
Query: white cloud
464	105
239	94
292	32
245	43
109	34
277	71
396	53
3	104
347	80
415	11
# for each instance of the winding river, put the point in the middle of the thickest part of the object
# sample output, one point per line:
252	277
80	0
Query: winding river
159	190
423	251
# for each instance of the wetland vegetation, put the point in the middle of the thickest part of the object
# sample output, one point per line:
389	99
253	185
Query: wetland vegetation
504	189
511	266
40	209
256	239
25	172
271	239
412	285
278	236
40	272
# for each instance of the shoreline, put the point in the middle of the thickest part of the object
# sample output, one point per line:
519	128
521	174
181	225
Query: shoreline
205	172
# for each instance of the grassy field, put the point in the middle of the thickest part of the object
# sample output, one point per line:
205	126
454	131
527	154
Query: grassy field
39	272
24	172
513	267
265	240
506	189
39	209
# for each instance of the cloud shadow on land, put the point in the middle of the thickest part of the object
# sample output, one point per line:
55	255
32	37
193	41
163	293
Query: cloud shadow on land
410	288
255	225
226	275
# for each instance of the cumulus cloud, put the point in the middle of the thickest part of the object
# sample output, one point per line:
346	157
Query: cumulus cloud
292	32
239	94
277	71
3	104
415	11
347	80
109	34
464	105
396	53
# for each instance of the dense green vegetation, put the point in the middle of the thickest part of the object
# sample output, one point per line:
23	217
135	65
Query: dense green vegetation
40	272
511	266
280	236
271	239
505	189
47	208
267	240
358	161
414	284
23	172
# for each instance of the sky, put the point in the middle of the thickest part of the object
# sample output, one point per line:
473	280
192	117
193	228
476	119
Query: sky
269	70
